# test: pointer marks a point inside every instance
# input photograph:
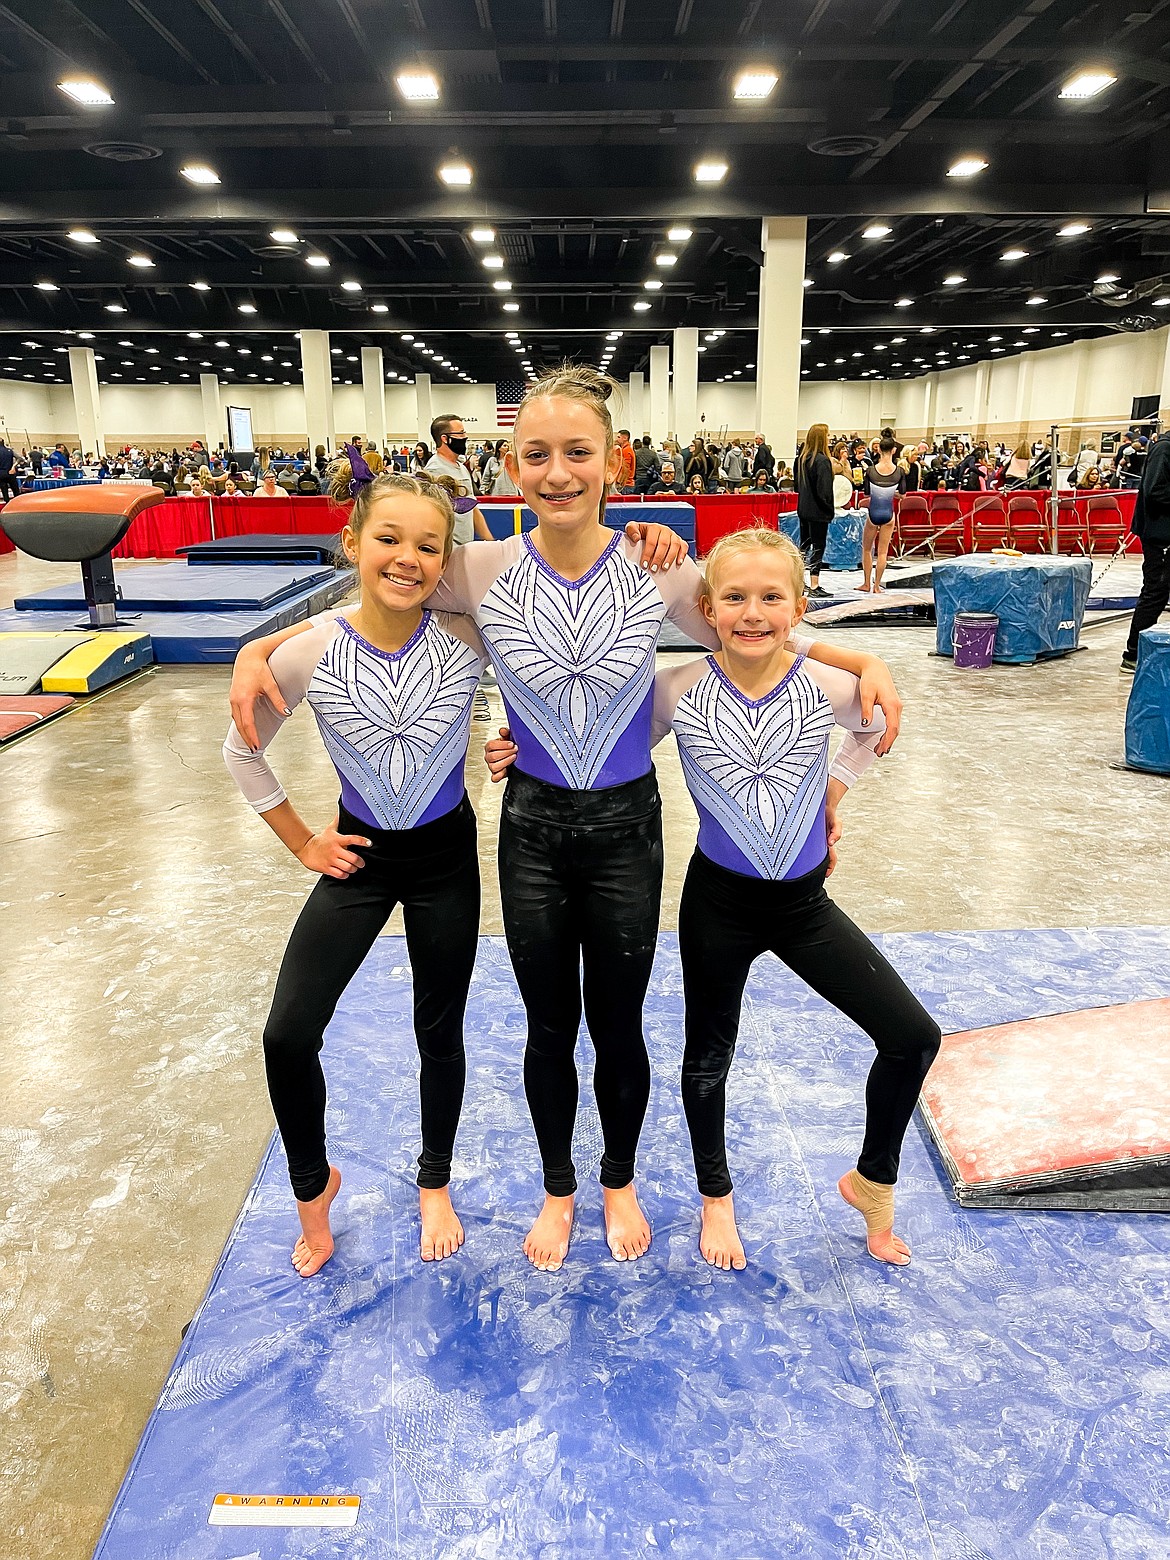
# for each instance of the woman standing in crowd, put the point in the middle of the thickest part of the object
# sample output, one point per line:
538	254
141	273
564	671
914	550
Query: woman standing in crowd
814	501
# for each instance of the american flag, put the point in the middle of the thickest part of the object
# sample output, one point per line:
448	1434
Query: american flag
508	394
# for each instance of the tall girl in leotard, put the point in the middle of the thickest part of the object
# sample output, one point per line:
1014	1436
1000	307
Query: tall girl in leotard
391	686
571	624
753	725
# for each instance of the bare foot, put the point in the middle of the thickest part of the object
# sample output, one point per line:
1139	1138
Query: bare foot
719	1239
547	1244
626	1228
884	1245
442	1233
315	1246
863	587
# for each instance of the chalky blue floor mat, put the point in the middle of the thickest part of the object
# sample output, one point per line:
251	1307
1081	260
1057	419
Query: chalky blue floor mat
1003	1398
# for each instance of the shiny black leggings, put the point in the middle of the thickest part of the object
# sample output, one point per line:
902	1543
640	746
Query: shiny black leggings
433	872
726	920
580	883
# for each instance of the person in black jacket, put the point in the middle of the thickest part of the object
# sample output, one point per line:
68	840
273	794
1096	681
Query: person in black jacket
9	487
814	501
762	459
1151	522
667	483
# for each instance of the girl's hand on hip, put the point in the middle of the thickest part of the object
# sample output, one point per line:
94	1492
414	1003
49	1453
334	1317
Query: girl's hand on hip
500	755
331	854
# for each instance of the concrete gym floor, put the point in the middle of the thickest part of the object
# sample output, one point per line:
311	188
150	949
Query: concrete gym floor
144	911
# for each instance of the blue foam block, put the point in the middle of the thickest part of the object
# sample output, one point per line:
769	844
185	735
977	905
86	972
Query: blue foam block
1003	1396
1040	602
1147	715
185	638
261	547
173	587
843	547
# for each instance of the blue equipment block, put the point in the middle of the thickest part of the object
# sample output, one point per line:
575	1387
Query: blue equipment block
260	547
1147	715
1004	1395
843	548
186	638
788	524
173	587
1040	602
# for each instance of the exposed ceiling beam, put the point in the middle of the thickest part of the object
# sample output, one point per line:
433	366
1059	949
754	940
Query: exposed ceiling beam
683	19
168	37
27	30
297	37
216	16
617	18
815	16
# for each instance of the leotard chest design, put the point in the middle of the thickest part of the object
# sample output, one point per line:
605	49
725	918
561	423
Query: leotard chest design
575	662
395	724
757	770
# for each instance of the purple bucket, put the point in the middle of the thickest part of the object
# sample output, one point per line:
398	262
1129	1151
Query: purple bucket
974	638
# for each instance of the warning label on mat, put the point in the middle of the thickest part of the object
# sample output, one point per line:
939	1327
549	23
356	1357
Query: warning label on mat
284	1510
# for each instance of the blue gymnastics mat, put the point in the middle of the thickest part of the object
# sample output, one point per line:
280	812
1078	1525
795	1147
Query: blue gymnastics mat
185	638
1004	1398
173	587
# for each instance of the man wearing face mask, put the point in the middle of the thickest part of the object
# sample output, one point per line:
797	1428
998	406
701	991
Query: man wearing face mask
450	440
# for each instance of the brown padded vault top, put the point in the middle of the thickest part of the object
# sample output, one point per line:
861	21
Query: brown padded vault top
75	524
105	498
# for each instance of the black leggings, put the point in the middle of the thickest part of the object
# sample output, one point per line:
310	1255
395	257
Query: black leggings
726	920
1155	592
580	882
433	872
9	486
814	536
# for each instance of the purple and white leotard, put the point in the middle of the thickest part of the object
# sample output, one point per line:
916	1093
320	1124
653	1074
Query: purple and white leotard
574	658
758	769
396	724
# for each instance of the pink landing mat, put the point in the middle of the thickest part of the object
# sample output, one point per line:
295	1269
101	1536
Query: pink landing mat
1069	1111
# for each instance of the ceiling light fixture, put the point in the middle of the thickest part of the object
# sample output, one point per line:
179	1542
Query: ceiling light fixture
512	308
199	173
679	235
954	280
1087	84
317	261
482	235
665	259
1014	254
143	262
1035	299
502	286
247	308
653	285
710	172
877	230
114	308
837	256
283	236
351	287
1106	276
455	174
418	86
1073	229
47	287
903	303
641	306
755	84
200	286
90	94
808	281
380	308
83	236
493	262
966	167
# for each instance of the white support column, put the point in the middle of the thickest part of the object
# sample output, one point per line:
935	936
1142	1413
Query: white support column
374	394
1164	383
778	340
422	397
214	431
929	386
636	411
87	405
317	375
979	400
686	385
1024	369
659	393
